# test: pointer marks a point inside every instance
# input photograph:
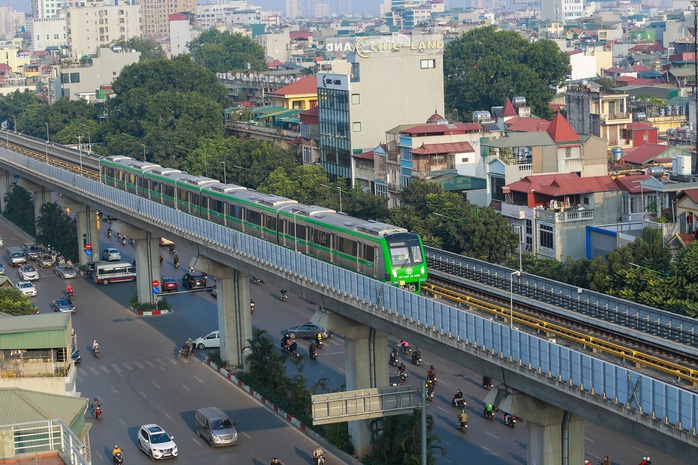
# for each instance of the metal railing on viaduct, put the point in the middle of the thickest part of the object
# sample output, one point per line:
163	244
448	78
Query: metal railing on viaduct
661	414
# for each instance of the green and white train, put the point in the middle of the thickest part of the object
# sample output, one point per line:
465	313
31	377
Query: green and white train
382	251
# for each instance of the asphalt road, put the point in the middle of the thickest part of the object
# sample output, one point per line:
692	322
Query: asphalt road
139	381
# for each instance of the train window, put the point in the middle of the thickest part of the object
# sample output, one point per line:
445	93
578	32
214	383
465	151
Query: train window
347	246
194	199
217	205
399	254
109	172
270	222
369	253
254	217
235	211
169	191
301	232
321	238
154	186
416	252
182	195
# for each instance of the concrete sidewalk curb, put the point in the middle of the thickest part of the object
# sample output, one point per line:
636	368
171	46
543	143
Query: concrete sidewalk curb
288	417
149	313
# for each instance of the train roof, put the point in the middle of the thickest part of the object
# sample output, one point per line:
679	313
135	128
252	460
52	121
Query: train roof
166	172
221	188
194	181
132	163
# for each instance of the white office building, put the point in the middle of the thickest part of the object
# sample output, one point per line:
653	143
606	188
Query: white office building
561	10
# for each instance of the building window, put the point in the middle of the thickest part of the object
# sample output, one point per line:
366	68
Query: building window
307	154
427	64
355	99
356	126
496	185
381	190
568	153
546	236
464	160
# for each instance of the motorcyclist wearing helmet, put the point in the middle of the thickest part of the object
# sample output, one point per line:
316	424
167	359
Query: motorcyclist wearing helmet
463	419
95	345
69	290
115	451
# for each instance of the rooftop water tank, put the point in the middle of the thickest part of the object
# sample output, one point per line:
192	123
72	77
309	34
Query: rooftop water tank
616	153
480	116
681	165
519	101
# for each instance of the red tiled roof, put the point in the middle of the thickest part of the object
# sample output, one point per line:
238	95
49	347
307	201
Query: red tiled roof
177	17
538	182
640	68
300	35
273	64
434	149
527	124
451	128
5	67
644	153
306	85
561	187
646	48
616	71
686	238
557	106
685	56
692	194
560	130
365	155
508	109
633	184
575	52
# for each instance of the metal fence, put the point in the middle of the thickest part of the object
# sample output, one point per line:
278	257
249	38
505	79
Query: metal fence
41	437
638	392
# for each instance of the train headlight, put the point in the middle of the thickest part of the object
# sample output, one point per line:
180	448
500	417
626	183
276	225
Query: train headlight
394	273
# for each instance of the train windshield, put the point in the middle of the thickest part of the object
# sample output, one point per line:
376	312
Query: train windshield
405	253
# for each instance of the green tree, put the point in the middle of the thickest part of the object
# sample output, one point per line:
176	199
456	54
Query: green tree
57	229
19	208
13	106
61	114
15	303
222	52
266	364
149	49
397	440
484	66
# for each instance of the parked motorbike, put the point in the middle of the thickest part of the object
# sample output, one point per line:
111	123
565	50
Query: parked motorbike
509	420
76	357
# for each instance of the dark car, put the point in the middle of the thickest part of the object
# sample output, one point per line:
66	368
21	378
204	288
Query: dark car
63	305
31	249
194	280
45	260
307	331
169	284
90	269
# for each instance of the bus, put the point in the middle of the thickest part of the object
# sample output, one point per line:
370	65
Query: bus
106	273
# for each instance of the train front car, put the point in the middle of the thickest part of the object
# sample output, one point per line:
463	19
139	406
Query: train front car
405	263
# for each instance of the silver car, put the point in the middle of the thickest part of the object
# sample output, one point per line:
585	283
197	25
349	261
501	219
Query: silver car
45	260
28	273
111	255
26	288
65	271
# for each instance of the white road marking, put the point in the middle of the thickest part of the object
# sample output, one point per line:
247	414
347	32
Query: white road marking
142	394
196	440
186	388
173	362
140	367
198	379
156	385
161	368
246	435
105	369
114	389
128	367
441	408
496	437
160	361
122	421
117	369
587	439
489	451
150	364
94	370
168	416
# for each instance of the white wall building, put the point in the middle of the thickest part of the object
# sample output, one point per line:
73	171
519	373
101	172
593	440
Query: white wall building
180	34
562	10
225	14
98	25
50	32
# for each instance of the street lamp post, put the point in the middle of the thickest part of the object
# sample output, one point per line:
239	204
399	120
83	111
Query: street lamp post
144	160
340	194
47	134
511	297
225	175
89	142
520	228
14	118
80	149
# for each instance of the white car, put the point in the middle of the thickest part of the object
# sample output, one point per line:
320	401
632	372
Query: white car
156	443
111	255
26	288
28	273
210	341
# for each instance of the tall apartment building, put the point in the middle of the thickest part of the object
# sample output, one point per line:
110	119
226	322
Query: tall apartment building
235	12
292	9
394	80
46	33
97	25
562	10
155	15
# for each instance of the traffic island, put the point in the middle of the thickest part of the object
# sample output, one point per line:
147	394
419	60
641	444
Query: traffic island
161	307
151	312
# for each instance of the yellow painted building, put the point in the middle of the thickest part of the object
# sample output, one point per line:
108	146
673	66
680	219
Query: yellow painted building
301	95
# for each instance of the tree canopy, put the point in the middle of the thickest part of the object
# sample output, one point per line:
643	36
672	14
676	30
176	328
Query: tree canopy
15	303
484	66
149	49
222	52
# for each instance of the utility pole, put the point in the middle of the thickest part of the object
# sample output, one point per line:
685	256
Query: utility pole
695	82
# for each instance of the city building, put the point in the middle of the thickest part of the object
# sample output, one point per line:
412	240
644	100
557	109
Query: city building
98	25
180	34
563	11
80	81
155	15
301	95
394	80
48	33
592	110
227	14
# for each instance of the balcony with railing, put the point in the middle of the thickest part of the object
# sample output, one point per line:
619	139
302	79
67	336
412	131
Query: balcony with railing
511	210
615	118
43	442
567	216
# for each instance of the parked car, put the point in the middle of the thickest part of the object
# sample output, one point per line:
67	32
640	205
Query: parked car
211	341
2	268
307	331
26	288
169	284
45	260
156	443
63	305
194	280
28	273
65	271
111	255
32	250
90	269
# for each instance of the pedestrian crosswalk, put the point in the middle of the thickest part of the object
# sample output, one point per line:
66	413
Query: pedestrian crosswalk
124	368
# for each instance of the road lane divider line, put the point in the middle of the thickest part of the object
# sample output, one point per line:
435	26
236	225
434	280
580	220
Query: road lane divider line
198	379
246	435
162	368
186	388
142	394
117	368
168	416
490	451
493	435
174	362
122	422
128	367
150	364
114	389
94	370
105	369
156	384
138	365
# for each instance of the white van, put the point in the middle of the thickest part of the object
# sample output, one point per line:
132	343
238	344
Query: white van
214	426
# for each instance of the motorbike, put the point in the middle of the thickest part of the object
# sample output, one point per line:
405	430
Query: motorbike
251	306
430	394
176	263
458	402
257	280
488	415
76	357
510	420
123	240
319	460
118	459
98	412
318	342
286	343
313	354
403	375
417	357
462	427
96	351
487	383
393	359
284	295
70	293
109	232
132	241
406	350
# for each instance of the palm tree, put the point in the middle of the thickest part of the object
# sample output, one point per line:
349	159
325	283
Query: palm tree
397	440
266	364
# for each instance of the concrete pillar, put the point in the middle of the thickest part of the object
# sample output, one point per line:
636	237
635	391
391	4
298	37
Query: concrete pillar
234	315
552	432
366	365
147	259
87	231
6	179
40	193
